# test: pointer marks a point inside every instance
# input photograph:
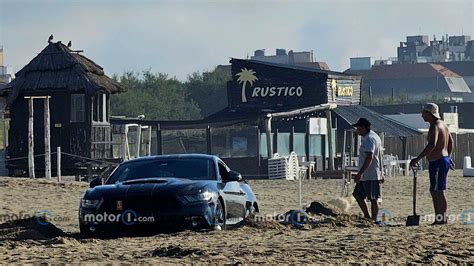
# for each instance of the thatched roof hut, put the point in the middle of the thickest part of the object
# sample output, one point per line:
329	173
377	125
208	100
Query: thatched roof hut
79	105
57	67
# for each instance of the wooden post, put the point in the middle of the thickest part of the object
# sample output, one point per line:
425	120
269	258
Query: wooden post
329	135
4	131
258	146
268	131
47	139
126	144
344	151
307	140
208	139
382	138
275	141
158	139
149	140
292	139
31	158
59	163
139	139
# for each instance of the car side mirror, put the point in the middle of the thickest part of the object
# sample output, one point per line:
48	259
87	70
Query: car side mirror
96	181
233	176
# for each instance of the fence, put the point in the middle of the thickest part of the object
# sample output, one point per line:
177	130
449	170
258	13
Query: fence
462	147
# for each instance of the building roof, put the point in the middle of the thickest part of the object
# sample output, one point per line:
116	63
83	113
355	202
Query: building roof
379	122
462	68
411	120
405	71
317	65
295	67
57	67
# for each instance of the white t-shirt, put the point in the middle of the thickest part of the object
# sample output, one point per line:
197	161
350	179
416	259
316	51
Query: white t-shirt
371	143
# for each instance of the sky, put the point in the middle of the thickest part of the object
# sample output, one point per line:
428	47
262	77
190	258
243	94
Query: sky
183	36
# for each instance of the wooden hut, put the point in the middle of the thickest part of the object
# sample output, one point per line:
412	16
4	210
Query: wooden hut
79	94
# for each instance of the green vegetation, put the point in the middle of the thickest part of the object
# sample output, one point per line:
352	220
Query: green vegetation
160	97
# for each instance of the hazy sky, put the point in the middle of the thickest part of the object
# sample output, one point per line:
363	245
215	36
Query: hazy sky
180	37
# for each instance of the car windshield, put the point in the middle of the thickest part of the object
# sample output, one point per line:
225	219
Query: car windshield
194	169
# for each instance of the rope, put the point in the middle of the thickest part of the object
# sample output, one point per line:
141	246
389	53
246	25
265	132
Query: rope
87	158
26	157
65	153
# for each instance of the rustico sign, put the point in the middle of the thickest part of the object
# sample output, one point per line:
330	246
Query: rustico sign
341	90
277	91
248	76
269	85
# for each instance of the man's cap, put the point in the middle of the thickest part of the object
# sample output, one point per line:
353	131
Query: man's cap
362	122
433	109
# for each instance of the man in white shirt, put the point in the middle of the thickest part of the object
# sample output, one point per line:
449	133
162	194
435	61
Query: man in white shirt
369	177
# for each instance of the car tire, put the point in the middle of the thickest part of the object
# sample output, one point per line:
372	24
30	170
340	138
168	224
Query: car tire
252	213
220	216
84	231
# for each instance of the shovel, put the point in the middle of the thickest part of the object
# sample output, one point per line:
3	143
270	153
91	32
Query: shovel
414	219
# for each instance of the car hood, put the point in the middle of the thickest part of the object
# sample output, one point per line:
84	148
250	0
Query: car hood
149	187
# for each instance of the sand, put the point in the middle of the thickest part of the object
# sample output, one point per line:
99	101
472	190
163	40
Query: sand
264	241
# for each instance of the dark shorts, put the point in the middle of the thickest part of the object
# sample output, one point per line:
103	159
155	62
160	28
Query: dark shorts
438	173
367	190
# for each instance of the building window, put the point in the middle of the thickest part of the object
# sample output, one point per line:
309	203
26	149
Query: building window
299	140
77	108
283	144
100	108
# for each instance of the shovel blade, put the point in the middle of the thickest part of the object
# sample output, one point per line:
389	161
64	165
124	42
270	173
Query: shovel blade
413	220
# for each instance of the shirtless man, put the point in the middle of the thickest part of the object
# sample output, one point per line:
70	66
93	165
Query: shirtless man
437	152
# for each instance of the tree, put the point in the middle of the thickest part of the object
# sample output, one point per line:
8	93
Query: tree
155	95
209	90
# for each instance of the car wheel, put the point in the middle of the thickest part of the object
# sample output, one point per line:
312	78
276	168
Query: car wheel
84	231
219	216
252	213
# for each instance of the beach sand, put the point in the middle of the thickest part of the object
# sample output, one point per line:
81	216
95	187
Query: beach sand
262	242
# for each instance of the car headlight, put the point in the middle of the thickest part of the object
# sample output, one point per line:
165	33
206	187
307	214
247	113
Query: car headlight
202	195
91	204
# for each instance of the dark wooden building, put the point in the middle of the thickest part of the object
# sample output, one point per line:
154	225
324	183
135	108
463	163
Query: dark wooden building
79	106
300	101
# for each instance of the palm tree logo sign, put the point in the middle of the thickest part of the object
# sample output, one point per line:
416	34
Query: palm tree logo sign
246	75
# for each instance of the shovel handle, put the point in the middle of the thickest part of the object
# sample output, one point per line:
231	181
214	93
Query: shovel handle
415	170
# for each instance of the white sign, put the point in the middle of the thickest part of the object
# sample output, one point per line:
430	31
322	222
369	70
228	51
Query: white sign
318	126
451	121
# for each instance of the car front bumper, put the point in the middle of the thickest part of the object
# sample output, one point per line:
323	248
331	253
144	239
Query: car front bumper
198	215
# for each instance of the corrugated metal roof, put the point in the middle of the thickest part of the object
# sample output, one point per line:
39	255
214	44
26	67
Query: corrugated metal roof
463	68
457	84
405	71
379	123
411	120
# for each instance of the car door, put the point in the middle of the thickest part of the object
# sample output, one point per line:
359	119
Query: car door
234	196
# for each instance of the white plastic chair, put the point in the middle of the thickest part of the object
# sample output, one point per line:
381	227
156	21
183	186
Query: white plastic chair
467	169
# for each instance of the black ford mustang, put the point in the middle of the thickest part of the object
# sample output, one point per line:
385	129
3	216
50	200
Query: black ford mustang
162	192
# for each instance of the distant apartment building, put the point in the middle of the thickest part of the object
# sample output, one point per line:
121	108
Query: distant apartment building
419	49
366	63
305	59
6	73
